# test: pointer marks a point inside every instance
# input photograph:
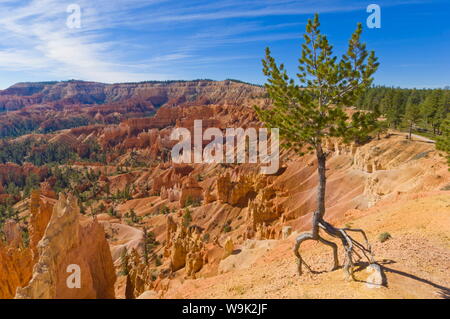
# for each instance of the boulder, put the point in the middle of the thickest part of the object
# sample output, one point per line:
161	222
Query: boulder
376	278
228	248
286	231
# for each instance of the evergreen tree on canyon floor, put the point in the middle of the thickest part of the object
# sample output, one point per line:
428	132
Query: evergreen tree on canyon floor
309	113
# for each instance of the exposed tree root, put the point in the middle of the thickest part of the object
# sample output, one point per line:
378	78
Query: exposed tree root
351	246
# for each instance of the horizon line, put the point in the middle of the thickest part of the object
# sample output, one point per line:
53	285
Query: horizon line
50	82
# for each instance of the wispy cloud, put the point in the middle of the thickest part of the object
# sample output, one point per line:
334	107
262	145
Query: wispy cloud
137	40
39	40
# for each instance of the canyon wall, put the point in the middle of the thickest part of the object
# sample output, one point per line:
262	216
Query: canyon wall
155	93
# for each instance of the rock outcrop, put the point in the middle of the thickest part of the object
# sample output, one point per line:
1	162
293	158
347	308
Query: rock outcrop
191	192
185	248
41	210
228	248
69	240
15	269
235	193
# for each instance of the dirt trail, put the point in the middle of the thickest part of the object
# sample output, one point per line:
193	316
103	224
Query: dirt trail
422	138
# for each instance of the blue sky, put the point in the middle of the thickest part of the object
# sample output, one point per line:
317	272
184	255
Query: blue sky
121	41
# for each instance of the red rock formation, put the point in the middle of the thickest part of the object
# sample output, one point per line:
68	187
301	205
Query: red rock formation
69	240
41	210
236	193
16	261
185	248
169	177
190	191
11	172
15	269
47	190
109	103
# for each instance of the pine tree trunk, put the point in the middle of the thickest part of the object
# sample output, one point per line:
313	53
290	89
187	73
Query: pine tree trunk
349	243
410	131
320	211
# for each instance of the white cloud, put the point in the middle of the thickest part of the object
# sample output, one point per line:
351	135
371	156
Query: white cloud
39	40
125	40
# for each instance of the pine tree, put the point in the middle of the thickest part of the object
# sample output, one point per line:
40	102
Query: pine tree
380	128
187	217
412	112
443	108
429	109
150	244
307	115
443	142
124	263
392	111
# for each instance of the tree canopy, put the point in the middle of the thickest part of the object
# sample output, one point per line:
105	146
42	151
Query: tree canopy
311	109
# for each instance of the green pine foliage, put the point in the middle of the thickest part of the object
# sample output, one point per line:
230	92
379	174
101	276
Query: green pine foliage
424	109
7	212
412	112
150	243
132	218
443	142
311	110
187	217
41	152
306	114
124	263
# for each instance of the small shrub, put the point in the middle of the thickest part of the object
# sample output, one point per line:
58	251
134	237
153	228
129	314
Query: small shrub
25	236
132	217
194	202
164	210
226	228
112	212
384	236
187	218
206	237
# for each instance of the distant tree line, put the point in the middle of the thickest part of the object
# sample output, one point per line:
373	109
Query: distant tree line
422	109
20	125
40	153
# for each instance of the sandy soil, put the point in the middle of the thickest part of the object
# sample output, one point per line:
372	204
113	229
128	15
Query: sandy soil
416	260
